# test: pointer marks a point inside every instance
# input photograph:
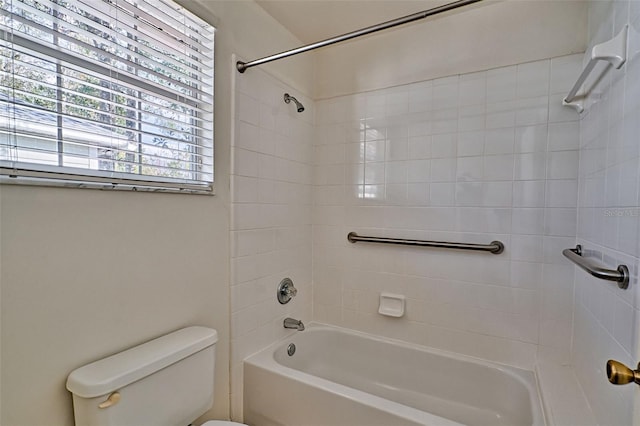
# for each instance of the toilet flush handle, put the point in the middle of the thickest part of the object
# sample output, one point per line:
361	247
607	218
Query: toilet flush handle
111	400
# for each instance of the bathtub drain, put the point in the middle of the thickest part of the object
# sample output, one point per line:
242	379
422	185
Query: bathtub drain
291	349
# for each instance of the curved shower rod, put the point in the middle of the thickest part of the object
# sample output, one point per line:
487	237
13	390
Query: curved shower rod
242	66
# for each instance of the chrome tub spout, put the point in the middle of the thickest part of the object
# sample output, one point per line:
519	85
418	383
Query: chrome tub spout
293	324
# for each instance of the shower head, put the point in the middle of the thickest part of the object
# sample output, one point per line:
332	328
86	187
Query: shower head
288	98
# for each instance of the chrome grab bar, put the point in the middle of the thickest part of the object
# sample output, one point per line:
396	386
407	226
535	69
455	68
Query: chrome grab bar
496	247
620	275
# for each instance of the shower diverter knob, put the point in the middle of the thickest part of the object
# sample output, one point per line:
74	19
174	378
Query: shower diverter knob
286	291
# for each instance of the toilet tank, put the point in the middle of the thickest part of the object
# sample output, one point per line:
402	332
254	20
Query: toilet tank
166	381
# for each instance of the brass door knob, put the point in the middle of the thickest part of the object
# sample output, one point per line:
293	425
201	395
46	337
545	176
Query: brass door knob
620	374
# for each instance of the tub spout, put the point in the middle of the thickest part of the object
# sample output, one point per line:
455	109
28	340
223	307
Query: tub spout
294	324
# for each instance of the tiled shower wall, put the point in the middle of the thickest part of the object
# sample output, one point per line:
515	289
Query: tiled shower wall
606	317
270	217
473	158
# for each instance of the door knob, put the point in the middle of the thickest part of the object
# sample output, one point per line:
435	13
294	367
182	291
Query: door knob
620	374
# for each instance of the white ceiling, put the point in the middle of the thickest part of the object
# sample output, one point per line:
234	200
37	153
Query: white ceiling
315	20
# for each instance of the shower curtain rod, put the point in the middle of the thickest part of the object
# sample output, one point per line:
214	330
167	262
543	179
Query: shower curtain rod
242	66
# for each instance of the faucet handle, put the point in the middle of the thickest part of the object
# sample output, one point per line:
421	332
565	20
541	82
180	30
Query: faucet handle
286	291
291	291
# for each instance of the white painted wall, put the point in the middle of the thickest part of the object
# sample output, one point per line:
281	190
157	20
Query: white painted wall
88	273
606	317
474	38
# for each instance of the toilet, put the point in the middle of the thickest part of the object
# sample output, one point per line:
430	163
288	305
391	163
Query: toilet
164	382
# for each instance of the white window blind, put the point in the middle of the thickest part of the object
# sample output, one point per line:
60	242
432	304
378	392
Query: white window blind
106	92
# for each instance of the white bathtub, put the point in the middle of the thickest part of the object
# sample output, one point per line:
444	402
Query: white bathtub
342	377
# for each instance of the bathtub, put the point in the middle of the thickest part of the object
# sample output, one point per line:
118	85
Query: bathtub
342	377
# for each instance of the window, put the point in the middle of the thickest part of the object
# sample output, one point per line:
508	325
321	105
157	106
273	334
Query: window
107	93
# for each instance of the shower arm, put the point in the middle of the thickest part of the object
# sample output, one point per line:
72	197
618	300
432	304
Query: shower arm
242	66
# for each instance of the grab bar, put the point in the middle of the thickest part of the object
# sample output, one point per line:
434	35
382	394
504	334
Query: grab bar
613	51
496	247
620	275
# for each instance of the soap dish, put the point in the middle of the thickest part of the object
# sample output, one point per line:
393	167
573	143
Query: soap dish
391	305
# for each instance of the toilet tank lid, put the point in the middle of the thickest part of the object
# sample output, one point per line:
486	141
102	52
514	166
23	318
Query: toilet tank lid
119	370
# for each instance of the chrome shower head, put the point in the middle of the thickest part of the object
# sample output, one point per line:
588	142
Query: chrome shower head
288	98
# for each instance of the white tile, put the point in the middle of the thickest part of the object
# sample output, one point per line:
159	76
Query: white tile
552	249
531	166
532	111
418	171
533	79
562	165
526	274
527	248
527	221
501	84
624	325
469	169
472	89
531	138
397	149
564	136
374	173
498	167
501	114
469	194
560	113
248	109
499	141
395	172
443	170
420	124
443	145
421	97
419	147
444	121
470	143
397	103
563	73
498	194
374	151
562	193
560	222
247	136
471	118
268	116
396	194
445	93
418	194
397	132
245	189
442	194
529	193
245	163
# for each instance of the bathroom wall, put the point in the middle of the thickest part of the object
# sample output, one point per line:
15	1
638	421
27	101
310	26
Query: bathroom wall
271	176
474	38
606	317
477	157
89	273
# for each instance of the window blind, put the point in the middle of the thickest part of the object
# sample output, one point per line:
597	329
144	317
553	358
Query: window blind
118	92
